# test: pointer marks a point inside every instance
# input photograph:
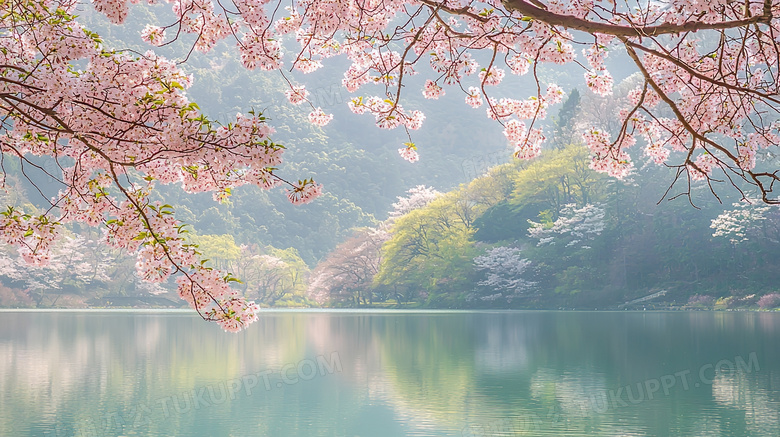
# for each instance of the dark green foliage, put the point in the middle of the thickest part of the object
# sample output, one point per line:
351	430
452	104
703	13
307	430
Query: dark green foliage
503	222
563	124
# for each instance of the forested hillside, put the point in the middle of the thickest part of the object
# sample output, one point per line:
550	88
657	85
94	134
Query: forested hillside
552	233
543	233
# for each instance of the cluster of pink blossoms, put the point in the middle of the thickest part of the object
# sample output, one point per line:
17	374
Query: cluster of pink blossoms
432	90
409	153
307	65
319	118
702	167
231	311
527	144
531	146
520	63
474	97
154	35
387	116
34	236
75	116
598	78
705	85
607	157
494	76
600	84
306	191
297	94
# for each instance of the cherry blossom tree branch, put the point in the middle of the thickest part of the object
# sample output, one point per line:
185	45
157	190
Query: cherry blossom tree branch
536	11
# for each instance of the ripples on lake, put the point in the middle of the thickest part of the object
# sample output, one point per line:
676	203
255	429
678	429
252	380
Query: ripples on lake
341	373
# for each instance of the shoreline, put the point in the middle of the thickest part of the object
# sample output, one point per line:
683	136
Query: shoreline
379	310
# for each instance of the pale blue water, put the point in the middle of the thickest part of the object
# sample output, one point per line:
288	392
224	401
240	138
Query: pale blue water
340	373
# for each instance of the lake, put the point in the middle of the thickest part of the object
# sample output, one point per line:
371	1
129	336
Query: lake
355	373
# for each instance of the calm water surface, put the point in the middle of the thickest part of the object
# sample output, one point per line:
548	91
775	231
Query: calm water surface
391	374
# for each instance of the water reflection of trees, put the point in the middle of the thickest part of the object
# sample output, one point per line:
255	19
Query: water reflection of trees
752	397
526	373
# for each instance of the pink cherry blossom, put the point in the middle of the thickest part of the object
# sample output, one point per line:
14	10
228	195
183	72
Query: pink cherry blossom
432	90
414	120
297	94
520	63
307	65
530	146
492	77
154	35
319	118
409	153
606	157
600	84
474	98
305	192
702	167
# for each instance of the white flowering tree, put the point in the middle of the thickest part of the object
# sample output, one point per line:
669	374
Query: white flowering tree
748	219
575	227
504	268
74	262
416	197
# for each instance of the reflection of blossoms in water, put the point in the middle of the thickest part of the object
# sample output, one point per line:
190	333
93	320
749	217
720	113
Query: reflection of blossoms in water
577	394
736	390
708	426
502	350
